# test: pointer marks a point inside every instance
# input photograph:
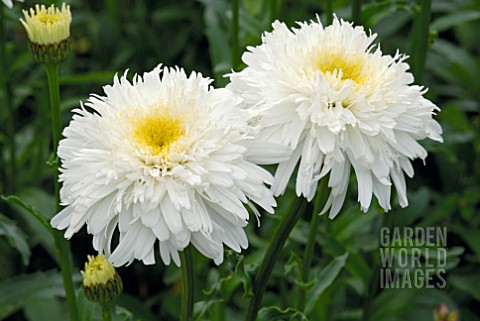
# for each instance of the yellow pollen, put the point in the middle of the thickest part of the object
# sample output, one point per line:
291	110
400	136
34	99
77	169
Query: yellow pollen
48	19
158	132
351	65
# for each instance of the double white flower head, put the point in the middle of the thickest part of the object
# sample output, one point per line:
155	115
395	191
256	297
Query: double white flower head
338	103
167	158
162	158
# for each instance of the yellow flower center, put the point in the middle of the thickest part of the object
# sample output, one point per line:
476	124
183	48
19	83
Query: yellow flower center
48	18
157	132
97	271
350	65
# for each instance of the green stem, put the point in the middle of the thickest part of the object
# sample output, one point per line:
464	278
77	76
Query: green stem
9	121
329	12
273	252
235	44
320	200
188	285
54	94
62	245
64	255
113	16
422	31
357	12
106	311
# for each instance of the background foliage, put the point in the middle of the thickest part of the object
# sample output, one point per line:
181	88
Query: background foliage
111	36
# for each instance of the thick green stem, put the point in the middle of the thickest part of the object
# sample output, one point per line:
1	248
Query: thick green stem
273	252
421	32
106	311
329	11
188	285
9	120
235	44
357	12
54	94
62	245
320	200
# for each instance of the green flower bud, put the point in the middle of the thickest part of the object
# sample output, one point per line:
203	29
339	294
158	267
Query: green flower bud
49	32
101	282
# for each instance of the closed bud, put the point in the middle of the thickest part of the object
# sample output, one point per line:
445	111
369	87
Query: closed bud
101	282
48	30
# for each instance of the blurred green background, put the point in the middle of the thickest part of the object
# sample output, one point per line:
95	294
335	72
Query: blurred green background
112	36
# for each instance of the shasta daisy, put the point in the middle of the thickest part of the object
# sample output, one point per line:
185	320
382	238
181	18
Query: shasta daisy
337	102
163	158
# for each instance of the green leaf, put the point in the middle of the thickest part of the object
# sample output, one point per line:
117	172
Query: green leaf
373	12
38	230
217	29
471	236
42	309
122	314
12	199
20	290
448	21
392	302
246	272
356	265
101	77
324	279
274	313
136	307
201	307
16	237
466	284
86	309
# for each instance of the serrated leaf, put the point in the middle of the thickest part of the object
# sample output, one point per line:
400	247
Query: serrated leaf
245	273
274	313
15	237
201	307
325	278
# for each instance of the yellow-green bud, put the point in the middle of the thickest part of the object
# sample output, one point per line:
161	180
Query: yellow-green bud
49	32
101	282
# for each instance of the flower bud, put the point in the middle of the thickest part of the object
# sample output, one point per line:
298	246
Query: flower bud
101	282
48	30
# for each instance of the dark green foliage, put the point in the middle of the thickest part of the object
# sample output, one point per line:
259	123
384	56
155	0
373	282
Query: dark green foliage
138	35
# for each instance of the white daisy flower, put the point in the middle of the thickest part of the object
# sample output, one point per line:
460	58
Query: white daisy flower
9	3
338	102
162	158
